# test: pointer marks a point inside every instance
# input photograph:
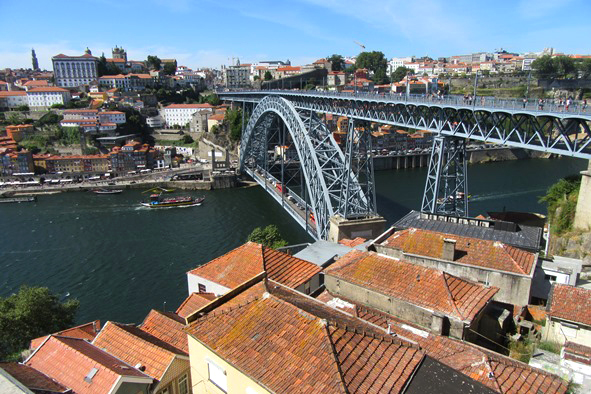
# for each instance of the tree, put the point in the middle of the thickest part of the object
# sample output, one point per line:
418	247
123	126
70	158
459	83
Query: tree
565	65
187	139
268	236
268	76
233	119
544	67
169	69
337	62
22	108
400	73
31	313
584	68
153	62
373	61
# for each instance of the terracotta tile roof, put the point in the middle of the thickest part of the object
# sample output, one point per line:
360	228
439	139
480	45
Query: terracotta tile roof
207	105
167	327
135	346
570	303
426	287
33	379
47	89
498	372
217	117
291	343
80	357
352	242
37	83
194	302
574	352
5	93
80	111
250	259
471	251
84	331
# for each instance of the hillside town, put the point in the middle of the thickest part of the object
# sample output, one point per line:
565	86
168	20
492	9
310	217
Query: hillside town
432	303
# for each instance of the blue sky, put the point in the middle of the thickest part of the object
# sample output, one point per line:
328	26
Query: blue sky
206	33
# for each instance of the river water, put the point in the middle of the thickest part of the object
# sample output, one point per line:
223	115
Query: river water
120	260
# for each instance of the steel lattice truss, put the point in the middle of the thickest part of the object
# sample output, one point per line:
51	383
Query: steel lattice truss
446	189
559	133
321	160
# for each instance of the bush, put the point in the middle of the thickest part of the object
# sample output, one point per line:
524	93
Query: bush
22	108
550	347
187	139
268	236
561	201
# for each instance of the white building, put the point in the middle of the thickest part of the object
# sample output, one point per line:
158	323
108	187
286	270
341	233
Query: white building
237	76
116	117
48	96
80	114
396	62
155	122
181	114
13	99
73	71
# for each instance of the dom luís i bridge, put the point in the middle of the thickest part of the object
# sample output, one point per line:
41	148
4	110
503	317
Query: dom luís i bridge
287	148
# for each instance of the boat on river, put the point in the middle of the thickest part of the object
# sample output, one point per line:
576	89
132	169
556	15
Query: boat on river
157	201
107	191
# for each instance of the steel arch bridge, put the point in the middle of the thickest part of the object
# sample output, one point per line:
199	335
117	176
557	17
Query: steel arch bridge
328	186
453	122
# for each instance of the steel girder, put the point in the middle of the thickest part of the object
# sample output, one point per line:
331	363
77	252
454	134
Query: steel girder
446	188
563	134
321	160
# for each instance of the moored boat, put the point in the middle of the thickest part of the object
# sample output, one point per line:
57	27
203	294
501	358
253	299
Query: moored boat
157	201
107	191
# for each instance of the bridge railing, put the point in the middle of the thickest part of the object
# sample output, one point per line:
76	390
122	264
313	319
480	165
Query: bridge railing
576	107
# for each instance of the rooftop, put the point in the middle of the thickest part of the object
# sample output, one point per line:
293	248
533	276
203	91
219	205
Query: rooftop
291	343
48	89
194	302
167	327
517	235
570	303
500	373
84	331
471	251
58	351
250	259
425	287
206	105
32	379
135	346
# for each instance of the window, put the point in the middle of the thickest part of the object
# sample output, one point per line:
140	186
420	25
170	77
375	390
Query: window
202	288
551	278
217	376
184	385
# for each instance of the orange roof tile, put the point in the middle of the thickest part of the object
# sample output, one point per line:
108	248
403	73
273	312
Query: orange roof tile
500	373
217	117
37	83
471	251
570	303
33	379
250	259
194	302
5	93
84	331
135	346
352	242
292	343
47	89
167	327
80	357
426	287
206	105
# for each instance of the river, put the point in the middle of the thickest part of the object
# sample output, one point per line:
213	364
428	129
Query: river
120	260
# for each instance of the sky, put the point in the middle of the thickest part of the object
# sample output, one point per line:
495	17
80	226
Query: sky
209	33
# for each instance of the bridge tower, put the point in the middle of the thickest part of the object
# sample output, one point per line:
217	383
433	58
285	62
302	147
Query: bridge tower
446	189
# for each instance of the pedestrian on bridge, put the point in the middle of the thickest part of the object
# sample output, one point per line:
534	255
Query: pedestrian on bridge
541	104
524	102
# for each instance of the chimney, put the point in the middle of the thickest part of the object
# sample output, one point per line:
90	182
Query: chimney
449	249
437	323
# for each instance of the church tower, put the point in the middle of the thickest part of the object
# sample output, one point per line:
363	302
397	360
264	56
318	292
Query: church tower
34	59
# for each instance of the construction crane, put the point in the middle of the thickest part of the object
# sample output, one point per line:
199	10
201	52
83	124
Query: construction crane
361	45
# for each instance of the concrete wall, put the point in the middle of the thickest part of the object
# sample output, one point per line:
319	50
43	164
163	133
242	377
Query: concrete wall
237	381
366	228
556	331
210	287
513	288
133	388
583	212
402	309
314	283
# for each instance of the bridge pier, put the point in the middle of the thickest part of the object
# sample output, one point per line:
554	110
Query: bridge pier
583	212
368	228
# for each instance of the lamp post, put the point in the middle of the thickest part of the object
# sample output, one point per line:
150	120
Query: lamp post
475	86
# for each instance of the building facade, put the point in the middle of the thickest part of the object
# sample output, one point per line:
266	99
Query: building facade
74	71
182	114
43	98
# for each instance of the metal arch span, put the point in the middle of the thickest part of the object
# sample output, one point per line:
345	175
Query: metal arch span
321	160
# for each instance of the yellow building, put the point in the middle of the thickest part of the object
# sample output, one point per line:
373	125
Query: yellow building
75	163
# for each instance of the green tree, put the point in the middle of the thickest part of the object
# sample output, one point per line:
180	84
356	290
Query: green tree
268	236
400	73
584	68
268	76
564	65
23	108
373	61
337	62
544	67
187	139
561	201
153	62
233	119
169	69
31	313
